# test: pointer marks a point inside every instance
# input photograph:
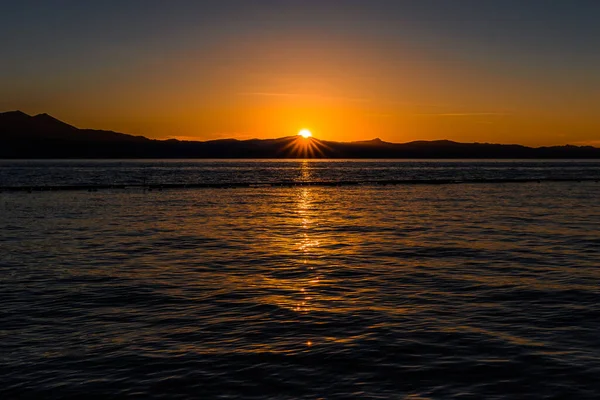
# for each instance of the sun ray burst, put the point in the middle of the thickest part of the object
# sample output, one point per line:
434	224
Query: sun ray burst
305	147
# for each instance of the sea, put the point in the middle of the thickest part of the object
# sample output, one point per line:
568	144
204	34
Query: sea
300	279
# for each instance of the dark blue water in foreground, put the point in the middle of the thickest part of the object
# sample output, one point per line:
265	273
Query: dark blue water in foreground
471	291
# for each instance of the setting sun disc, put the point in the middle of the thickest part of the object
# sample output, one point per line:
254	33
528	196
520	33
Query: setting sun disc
305	133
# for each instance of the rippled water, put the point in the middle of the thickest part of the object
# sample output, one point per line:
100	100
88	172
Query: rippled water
417	292
156	172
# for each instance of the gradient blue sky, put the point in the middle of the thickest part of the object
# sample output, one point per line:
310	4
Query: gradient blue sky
498	71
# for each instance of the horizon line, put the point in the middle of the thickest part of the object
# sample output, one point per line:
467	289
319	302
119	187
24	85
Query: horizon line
591	143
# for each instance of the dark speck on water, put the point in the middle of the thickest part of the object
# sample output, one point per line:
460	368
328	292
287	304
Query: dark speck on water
471	291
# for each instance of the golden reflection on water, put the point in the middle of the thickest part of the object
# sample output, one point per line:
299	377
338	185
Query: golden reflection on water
305	171
307	243
295	285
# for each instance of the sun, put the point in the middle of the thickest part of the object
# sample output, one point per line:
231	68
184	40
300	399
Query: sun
305	133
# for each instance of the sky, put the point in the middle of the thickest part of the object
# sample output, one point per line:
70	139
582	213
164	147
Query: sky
502	71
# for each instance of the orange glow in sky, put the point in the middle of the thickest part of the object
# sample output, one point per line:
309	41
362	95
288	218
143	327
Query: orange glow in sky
380	69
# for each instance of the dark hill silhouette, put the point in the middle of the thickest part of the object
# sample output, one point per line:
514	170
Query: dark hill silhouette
43	136
45	121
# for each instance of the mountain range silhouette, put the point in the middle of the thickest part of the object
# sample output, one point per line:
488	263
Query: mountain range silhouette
43	136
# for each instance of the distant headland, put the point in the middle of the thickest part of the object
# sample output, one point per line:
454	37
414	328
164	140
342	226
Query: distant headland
42	136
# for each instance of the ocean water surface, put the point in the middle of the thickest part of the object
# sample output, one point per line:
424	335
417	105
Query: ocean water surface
465	291
45	173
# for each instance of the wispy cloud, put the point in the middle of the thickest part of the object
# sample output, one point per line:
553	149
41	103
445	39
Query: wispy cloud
184	138
475	114
215	136
284	94
268	94
595	143
380	115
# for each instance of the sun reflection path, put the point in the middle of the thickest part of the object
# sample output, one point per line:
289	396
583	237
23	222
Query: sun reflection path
306	245
299	282
305	171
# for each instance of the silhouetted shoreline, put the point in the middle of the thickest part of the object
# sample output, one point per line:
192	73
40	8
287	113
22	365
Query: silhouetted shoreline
44	137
